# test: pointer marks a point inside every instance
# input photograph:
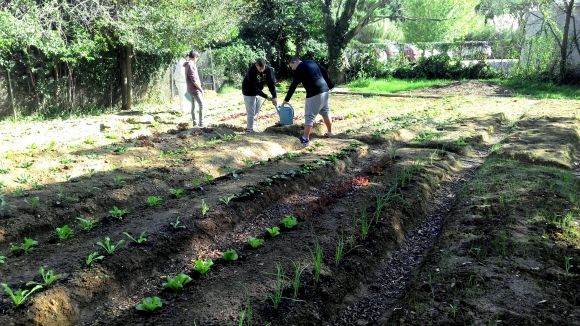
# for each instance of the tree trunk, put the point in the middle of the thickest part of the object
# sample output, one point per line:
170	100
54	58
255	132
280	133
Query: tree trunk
336	62
565	41
10	94
126	78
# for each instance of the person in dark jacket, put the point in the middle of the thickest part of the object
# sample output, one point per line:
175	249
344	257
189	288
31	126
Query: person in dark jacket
317	84
194	88
258	75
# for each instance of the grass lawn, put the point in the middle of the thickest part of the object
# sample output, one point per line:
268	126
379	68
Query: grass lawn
539	89
392	85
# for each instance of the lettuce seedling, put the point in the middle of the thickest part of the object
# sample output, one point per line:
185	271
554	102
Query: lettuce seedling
289	221
227	199
149	304
177	193
178	282
255	243
91	258
154	201
19	296
27	245
110	248
142	237
177	224
48	278
230	255
86	224
64	233
118	213
204	207
2	260
273	231
202	266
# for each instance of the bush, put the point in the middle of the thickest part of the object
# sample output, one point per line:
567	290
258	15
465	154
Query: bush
442	67
232	61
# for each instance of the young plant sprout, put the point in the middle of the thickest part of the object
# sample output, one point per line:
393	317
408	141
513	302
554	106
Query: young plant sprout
91	258
289	221
27	245
316	260
142	237
202	266
298	270
204	207
273	231
227	199
64	233
108	246
276	297
86	224
149	304
177	224
255	243
230	255
2	260
118	213
20	295
154	201
48	278
177	193
177	283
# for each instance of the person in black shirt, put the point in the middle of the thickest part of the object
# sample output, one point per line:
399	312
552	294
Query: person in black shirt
258	75
317	84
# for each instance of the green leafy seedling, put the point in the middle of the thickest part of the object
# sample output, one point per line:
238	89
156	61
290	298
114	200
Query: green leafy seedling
230	255
177	193
108	246
154	201
177	224
149	304
27	245
273	231
177	283
86	224
289	221
118	213
19	296
255	243
227	199
204	208
91	258
142	237
202	266
48	278
64	233
2	260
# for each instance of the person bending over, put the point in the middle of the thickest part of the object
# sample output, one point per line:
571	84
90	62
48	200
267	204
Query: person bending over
315	80
258	75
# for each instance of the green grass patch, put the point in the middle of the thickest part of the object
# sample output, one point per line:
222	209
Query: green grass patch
392	85
229	88
538	89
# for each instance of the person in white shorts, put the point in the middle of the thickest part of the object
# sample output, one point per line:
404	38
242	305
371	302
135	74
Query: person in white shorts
317	84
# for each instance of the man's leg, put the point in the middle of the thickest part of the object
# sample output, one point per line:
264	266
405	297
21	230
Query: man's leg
257	107
199	99
250	102
325	112
310	111
193	100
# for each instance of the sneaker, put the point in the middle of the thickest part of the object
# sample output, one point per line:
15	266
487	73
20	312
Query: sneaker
304	140
328	135
249	131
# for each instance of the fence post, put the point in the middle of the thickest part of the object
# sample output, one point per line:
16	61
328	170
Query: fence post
212	70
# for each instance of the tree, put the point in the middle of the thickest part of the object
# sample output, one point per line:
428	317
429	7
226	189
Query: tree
456	19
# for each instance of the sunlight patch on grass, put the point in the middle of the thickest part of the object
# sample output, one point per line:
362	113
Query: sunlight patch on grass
541	90
392	85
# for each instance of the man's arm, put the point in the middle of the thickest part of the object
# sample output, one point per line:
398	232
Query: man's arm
253	78
196	79
326	77
293	86
271	82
